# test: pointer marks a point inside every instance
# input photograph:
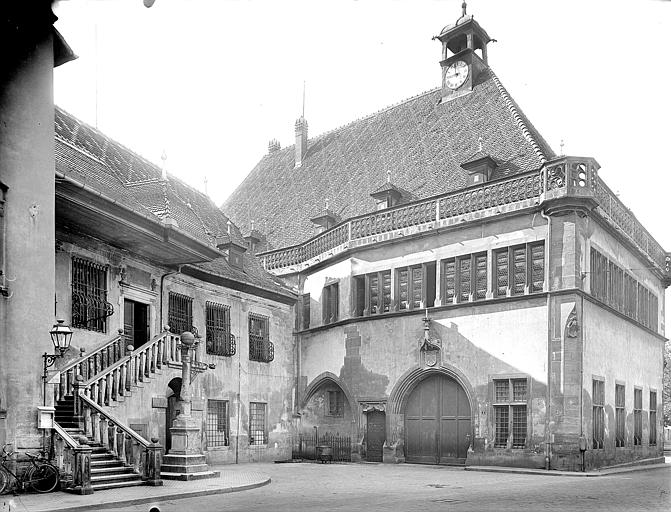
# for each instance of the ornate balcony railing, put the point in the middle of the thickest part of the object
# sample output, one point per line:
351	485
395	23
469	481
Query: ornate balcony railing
564	177
261	349
220	342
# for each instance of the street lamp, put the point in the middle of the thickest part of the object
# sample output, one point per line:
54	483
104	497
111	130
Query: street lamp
61	335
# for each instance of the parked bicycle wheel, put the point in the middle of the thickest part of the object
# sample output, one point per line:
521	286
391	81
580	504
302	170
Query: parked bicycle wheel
4	481
43	478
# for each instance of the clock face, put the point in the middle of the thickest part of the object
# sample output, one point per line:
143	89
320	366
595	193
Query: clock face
456	74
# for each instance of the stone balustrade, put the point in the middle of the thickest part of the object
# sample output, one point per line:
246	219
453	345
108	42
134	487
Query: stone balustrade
565	178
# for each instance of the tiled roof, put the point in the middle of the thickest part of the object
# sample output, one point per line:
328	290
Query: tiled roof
421	141
90	157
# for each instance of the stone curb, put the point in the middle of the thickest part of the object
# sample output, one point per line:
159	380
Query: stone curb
153	499
542	472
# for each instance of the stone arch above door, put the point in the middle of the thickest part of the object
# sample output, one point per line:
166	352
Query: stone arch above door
325	378
407	382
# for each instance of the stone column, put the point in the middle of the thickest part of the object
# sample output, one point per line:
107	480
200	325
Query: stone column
185	431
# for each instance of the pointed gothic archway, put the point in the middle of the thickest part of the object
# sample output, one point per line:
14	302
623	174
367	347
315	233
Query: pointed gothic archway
434	407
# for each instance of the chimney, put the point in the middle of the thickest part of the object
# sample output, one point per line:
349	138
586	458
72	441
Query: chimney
301	141
273	146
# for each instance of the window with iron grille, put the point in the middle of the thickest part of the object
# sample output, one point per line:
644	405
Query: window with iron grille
335	403
257	423
652	441
180	313
330	301
216	424
510	412
613	286
305	311
519	270
638	416
90	308
470	281
598	400
619	416
219	340
260	347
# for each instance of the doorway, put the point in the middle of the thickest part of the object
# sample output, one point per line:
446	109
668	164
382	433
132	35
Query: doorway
173	410
375	435
437	422
135	323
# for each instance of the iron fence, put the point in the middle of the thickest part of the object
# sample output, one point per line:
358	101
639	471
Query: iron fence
305	445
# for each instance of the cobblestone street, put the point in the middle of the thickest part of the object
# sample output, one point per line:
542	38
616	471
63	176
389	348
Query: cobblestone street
373	487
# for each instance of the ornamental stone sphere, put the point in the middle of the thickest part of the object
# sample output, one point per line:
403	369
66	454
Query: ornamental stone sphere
187	338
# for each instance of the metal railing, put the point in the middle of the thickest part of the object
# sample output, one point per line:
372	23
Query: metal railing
261	349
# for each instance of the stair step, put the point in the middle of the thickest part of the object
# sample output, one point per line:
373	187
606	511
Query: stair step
116	485
189	476
112	470
115	478
104	463
102	456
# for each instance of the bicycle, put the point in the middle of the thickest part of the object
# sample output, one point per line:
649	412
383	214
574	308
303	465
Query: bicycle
42	476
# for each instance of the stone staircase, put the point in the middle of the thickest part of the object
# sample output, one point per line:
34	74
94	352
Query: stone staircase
107	470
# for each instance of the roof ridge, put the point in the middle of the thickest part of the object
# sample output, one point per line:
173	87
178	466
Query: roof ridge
372	114
518	115
133	153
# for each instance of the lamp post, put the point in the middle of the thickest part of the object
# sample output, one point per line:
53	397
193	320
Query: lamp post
61	335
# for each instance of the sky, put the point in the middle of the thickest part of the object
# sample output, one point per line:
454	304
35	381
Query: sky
211	82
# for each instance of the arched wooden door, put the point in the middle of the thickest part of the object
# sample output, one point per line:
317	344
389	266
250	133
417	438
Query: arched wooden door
437	422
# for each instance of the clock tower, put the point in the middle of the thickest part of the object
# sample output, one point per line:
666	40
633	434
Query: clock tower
464	55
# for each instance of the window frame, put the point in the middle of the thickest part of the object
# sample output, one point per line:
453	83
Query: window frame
525	257
335	397
173	321
213	435
511	406
598	412
330	303
652	418
89	291
261	349
452	281
361	290
638	416
620	415
305	311
214	344
253	415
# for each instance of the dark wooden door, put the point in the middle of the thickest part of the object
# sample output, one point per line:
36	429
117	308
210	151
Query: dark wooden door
375	435
437	422
135	323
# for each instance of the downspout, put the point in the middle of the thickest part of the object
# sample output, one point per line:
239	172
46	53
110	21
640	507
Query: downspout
548	453
160	292
237	437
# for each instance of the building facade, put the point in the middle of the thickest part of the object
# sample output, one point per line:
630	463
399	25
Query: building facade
467	296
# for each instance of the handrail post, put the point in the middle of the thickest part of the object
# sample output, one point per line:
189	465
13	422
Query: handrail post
81	474
77	388
129	371
151	473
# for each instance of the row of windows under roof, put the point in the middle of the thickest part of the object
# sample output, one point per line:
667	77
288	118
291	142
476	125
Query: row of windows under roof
516	270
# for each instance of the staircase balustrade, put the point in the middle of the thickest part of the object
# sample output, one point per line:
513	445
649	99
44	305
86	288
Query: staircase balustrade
90	364
63	447
127	445
117	380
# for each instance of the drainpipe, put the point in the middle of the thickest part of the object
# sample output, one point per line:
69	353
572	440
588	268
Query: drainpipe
549	354
160	292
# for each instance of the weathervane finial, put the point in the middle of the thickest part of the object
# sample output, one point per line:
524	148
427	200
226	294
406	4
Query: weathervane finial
480	144
463	8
